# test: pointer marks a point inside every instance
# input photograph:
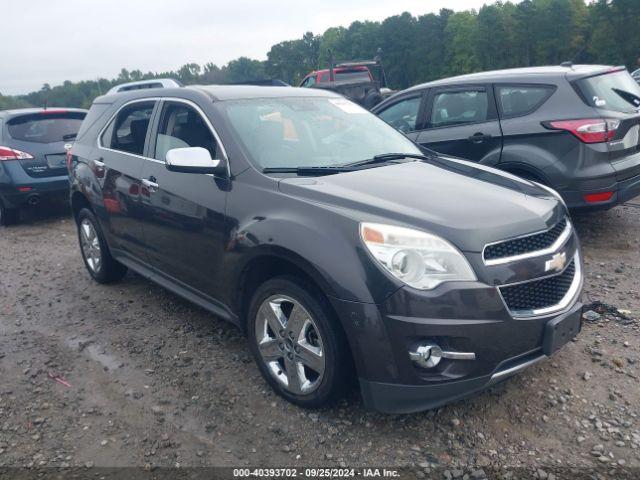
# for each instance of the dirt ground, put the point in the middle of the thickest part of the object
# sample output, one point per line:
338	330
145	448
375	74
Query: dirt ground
147	379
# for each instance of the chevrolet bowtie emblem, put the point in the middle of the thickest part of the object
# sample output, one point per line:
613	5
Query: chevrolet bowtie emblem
557	262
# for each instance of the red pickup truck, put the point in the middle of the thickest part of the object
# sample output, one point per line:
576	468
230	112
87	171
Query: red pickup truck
340	74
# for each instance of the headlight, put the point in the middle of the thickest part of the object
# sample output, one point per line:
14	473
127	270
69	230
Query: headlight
419	259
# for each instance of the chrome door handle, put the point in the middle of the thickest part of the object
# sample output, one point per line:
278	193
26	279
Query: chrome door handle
150	184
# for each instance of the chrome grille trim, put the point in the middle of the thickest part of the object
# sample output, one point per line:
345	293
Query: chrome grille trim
560	241
564	304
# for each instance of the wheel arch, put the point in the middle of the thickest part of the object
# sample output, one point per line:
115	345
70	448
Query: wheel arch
525	170
78	202
267	264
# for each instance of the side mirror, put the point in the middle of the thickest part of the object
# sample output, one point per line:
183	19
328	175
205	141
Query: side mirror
192	160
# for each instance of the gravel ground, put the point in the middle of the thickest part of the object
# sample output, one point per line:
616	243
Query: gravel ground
131	375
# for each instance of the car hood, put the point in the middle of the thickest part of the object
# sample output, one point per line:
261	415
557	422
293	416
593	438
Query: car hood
470	205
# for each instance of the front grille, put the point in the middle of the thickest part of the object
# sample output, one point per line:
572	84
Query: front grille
530	243
538	294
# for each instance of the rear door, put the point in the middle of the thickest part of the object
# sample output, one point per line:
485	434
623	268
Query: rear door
117	164
462	121
184	220
43	136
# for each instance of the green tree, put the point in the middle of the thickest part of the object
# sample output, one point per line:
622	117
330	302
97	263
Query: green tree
244	69
431	46
460	36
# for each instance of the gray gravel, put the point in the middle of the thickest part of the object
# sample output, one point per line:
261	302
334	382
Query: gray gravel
131	375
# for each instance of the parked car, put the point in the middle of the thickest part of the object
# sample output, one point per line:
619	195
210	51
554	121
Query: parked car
573	128
33	157
353	79
329	239
358	73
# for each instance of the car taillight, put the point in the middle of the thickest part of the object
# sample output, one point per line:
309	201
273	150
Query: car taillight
7	153
588	130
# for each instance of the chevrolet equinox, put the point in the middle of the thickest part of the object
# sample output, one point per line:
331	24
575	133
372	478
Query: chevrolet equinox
334	242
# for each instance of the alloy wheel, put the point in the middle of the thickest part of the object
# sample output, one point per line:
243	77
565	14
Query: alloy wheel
90	245
290	344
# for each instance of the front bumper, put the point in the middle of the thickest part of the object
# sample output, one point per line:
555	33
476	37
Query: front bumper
391	383
403	398
459	317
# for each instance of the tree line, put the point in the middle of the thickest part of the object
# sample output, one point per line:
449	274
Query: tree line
416	49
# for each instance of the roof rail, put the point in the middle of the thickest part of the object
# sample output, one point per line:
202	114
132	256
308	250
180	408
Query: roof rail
142	84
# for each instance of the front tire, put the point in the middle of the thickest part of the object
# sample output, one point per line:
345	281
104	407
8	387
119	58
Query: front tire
297	343
95	252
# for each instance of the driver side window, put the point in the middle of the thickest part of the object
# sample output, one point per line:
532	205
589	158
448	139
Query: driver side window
181	126
402	116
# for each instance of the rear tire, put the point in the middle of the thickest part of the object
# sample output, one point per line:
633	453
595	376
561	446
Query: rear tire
317	349
95	252
8	216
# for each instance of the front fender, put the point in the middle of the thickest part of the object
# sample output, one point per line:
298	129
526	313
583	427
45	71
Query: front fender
334	258
323	242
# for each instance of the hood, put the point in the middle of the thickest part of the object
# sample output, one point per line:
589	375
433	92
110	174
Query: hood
469	205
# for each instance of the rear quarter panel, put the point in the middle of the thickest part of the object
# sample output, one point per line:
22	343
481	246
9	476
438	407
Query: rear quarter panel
555	157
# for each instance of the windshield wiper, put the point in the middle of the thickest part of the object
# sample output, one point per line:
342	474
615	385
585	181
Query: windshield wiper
309	171
628	97
349	167
388	157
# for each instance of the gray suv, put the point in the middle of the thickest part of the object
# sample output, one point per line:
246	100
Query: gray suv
574	128
329	239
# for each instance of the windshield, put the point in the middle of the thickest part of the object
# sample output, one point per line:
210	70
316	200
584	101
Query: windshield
311	132
613	91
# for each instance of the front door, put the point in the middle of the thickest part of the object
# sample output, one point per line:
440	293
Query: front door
463	122
117	164
184	221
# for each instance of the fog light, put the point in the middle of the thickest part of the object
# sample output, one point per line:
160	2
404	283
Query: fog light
430	355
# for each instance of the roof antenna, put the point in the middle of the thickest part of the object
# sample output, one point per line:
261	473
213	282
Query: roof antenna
44	104
568	64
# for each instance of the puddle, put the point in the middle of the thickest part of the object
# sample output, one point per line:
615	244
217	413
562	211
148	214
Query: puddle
95	352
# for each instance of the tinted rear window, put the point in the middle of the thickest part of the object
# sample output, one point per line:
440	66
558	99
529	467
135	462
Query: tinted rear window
517	100
612	91
45	127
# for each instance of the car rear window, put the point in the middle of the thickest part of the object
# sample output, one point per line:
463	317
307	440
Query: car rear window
616	91
517	100
45	127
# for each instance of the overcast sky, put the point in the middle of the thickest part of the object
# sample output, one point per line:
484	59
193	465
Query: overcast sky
49	41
